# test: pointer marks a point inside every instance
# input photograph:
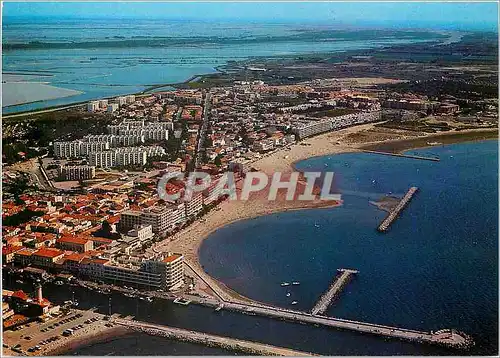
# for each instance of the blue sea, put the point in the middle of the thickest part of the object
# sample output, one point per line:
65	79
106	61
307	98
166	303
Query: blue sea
437	267
104	58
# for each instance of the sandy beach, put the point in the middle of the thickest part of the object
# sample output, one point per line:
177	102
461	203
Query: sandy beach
85	337
188	240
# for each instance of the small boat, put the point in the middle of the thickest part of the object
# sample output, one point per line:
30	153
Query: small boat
182	301
219	307
294	302
149	299
129	295
142	298
316	225
288	294
295	283
19	281
75	304
283	284
59	283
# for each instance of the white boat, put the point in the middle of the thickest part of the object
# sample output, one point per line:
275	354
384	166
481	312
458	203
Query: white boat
142	298
288	294
294	302
182	301
283	284
316	225
295	283
149	299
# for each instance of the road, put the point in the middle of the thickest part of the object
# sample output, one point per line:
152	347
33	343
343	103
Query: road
203	129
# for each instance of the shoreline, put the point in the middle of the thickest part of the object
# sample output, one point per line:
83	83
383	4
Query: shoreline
85	340
189	240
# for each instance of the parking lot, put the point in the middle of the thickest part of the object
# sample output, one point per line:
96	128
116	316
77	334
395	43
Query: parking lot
35	338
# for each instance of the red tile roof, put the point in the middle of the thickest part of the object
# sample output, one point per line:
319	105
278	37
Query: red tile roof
46	252
171	258
72	240
21	295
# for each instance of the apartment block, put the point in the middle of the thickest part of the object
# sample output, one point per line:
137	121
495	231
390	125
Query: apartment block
93	106
195	205
76	172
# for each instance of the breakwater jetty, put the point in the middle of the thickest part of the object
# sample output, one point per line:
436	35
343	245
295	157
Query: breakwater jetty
446	337
394	213
210	340
333	291
434	159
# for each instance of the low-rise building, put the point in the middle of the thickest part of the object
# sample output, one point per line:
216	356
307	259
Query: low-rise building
74	243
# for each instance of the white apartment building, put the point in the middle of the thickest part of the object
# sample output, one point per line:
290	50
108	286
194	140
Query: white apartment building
130	219
103	103
67	149
165	272
195	205
171	269
133	123
157	217
76	172
212	193
124	156
117	128
93	106
160	218
263	145
112	107
142	232
115	140
314	127
154	133
177	215
77	148
102	159
121	101
130	156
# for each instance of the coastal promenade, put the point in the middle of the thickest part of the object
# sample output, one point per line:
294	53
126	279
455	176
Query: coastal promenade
384	226
247	347
333	291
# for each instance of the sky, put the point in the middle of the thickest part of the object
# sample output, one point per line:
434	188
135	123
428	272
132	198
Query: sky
445	15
